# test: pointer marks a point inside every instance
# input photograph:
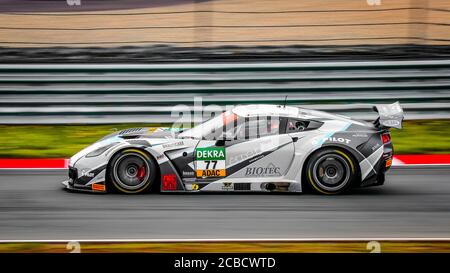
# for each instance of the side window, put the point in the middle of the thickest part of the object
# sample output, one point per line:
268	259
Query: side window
296	125
255	127
272	125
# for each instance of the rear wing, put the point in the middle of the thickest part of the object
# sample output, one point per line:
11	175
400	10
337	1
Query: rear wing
389	115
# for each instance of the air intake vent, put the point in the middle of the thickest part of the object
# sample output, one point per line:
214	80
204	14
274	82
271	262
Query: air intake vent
241	186
138	142
73	173
131	130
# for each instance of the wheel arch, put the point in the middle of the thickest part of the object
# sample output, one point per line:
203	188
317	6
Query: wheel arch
141	150
354	155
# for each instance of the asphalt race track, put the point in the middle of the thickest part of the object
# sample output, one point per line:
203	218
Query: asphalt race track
414	202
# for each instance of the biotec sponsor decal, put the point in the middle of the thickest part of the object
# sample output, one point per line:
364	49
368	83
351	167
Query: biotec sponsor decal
269	170
210	162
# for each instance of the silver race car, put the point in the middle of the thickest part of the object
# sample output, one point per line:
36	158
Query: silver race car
252	148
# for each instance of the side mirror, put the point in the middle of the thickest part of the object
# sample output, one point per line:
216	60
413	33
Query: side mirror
223	138
220	142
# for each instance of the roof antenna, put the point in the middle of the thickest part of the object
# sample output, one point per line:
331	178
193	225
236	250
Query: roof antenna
285	100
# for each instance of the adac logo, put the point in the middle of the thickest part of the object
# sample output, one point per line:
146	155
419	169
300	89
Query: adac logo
195	187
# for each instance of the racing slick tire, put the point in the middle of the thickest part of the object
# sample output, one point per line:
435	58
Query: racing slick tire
330	171
132	171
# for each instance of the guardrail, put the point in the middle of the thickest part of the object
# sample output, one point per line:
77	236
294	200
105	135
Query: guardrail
108	93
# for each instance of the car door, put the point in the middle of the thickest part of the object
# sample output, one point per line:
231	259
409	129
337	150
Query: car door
255	147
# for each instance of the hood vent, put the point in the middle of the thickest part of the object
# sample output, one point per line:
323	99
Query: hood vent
138	142
132	131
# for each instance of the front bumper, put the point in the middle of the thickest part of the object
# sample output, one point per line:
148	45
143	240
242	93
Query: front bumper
68	186
82	178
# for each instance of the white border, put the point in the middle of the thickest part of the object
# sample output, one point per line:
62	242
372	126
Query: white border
233	240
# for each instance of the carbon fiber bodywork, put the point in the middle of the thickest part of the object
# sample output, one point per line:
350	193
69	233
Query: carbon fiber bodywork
264	163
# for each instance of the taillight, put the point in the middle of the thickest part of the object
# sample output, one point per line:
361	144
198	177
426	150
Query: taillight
389	163
386	138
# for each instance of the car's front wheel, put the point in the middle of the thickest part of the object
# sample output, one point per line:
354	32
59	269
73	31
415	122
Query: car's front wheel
132	171
330	171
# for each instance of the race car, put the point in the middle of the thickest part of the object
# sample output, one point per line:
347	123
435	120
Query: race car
249	148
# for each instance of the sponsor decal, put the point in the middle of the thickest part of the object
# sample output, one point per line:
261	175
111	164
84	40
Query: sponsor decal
278	186
87	173
244	156
388	162
282	186
376	147
168	129
217	153
169	182
173	145
391	122
269	170
256	158
210	173
360	135
98	187
210	162
227	186
195	187
338	139
188	174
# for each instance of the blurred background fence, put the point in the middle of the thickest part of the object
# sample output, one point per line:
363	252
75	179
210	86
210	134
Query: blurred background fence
212	23
88	93
265	48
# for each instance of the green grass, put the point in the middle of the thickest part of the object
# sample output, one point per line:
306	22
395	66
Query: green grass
422	137
53	141
62	141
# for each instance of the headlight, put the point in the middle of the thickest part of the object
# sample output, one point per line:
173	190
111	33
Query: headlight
100	150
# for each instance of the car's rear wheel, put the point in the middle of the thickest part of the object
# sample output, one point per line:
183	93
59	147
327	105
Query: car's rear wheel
132	171
330	171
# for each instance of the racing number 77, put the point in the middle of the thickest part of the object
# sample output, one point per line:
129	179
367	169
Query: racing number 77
208	162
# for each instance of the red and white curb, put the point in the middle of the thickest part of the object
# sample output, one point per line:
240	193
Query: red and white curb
438	159
62	163
41	163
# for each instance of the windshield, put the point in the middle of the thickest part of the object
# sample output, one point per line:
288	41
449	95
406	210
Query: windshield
231	126
211	128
